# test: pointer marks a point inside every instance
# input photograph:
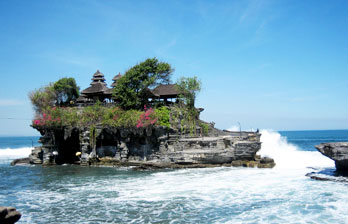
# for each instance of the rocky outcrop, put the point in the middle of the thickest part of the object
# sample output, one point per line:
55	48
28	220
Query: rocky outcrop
20	161
337	151
154	147
9	215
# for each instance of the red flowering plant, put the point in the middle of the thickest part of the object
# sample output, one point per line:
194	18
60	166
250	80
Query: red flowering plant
51	116
148	117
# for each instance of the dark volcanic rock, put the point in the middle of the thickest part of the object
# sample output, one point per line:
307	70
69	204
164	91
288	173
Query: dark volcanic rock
148	148
337	151
266	160
9	215
20	161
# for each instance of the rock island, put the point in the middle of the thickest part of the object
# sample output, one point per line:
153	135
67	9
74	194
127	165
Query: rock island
143	120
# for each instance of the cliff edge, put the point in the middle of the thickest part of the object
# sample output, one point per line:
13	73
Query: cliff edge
337	151
156	147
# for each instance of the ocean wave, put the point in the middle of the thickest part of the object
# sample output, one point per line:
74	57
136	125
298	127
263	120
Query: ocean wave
15	153
287	155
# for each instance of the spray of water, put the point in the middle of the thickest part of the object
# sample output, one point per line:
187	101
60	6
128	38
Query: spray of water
288	156
15	153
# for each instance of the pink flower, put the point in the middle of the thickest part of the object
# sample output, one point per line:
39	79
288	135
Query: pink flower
153	121
139	125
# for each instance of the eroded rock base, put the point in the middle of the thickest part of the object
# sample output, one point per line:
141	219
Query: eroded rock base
153	147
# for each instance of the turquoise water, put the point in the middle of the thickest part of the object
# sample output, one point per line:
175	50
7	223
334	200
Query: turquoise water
18	142
72	194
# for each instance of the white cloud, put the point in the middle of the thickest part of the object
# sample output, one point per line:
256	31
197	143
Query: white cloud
10	102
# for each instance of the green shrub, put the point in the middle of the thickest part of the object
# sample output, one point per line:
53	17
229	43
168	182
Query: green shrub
92	115
43	98
128	118
186	117
163	115
205	128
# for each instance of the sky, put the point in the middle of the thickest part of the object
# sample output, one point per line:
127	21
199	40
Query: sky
269	64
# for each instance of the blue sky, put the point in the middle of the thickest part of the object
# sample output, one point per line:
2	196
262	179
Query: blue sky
280	65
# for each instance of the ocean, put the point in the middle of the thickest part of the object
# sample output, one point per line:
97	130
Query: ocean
284	194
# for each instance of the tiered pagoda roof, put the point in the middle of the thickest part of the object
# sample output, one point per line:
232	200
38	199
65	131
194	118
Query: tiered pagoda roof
98	86
115	79
98	77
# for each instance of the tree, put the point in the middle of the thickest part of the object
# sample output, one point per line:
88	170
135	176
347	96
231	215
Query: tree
66	90
131	91
59	93
43	98
189	87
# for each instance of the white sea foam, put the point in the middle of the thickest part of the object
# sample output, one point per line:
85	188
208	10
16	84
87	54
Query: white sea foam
15	153
288	156
212	195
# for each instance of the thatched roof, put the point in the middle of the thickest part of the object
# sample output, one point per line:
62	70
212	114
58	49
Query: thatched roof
98	74
98	77
168	91
97	89
115	79
108	91
82	98
149	93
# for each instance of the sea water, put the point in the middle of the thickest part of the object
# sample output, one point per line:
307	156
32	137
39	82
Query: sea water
284	194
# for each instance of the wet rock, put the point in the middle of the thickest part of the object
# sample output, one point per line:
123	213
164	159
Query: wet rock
9	215
259	162
266	160
22	161
337	151
323	177
156	145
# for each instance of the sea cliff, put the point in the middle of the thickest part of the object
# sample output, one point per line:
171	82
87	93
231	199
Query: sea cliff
154	147
337	151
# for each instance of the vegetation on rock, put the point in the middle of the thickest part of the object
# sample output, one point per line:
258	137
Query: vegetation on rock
66	91
60	93
52	103
42	98
189	88
131	91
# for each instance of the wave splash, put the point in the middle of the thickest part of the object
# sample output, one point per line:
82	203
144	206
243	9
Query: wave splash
15	153
274	145
288	156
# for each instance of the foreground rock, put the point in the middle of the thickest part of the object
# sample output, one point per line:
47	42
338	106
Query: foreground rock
337	151
22	161
9	215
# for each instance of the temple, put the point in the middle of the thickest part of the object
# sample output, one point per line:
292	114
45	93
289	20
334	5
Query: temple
98	91
164	136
